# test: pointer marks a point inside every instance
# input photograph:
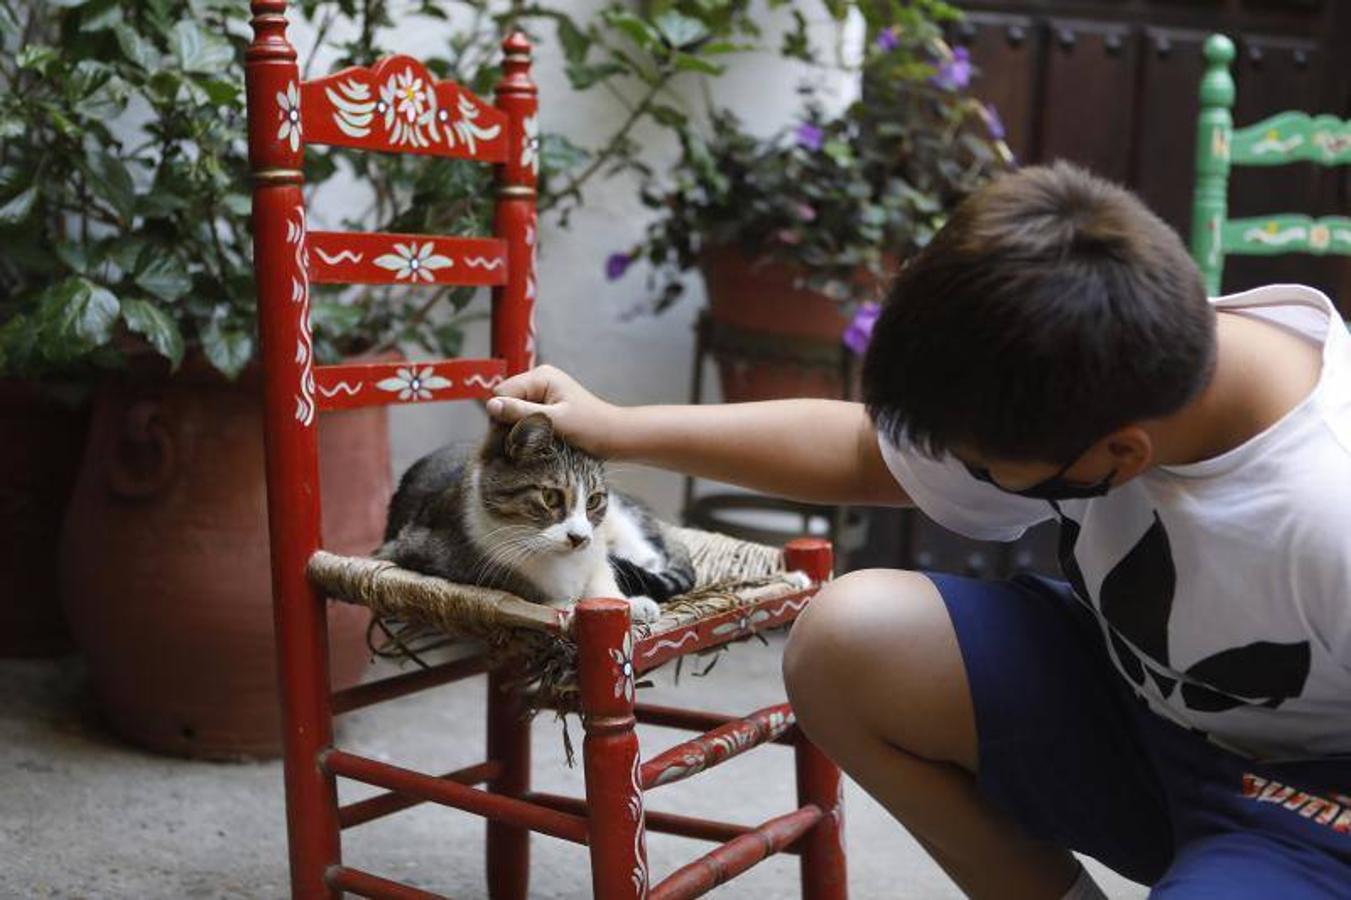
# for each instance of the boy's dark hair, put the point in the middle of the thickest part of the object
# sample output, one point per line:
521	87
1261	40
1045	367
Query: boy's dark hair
1052	309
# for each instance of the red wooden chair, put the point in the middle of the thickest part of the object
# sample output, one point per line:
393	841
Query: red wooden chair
397	106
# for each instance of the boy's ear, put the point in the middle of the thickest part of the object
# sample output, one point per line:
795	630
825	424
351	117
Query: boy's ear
1132	451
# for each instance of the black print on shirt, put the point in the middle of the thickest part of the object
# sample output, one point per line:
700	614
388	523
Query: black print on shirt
1136	599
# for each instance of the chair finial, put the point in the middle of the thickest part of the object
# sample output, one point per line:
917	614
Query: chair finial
1217	85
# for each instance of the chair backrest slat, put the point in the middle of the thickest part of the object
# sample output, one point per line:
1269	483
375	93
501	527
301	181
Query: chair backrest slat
398	106
1290	137
1291	233
351	257
376	384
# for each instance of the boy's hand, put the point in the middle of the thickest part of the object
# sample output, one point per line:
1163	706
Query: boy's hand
579	416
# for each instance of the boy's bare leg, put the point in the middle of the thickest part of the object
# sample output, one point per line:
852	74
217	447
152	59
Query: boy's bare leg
876	678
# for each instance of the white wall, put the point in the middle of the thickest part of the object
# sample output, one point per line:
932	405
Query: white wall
582	327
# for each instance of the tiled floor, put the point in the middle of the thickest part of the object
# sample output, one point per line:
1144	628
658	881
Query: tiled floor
82	815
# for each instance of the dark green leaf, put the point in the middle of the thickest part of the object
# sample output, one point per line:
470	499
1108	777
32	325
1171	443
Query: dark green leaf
9	23
109	179
199	50
584	75
156	326
135	48
36	57
689	63
104	102
575	43
100	15
163	274
228	350
81	310
17	208
668	115
220	92
638	31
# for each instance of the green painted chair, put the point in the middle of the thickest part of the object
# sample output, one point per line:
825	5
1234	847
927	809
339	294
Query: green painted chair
1286	137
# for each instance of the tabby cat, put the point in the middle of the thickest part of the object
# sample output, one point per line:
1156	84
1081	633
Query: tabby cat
534	516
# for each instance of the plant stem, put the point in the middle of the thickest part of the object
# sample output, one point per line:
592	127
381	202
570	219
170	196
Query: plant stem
574	186
320	36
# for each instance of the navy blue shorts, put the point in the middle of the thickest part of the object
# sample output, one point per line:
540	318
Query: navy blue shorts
1070	753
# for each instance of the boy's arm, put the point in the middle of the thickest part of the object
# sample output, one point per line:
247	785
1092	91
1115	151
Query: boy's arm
819	451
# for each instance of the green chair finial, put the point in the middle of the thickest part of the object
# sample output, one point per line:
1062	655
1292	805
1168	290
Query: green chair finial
1217	87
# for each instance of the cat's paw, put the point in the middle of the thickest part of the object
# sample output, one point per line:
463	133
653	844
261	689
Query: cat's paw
643	610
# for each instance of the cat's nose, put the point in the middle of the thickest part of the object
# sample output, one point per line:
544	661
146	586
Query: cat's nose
578	540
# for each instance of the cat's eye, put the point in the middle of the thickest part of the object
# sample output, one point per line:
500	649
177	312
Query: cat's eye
595	500
552	497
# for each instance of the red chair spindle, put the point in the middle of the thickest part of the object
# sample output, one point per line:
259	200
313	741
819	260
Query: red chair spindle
275	157
614	794
514	303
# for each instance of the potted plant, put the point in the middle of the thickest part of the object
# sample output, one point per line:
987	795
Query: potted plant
125	261
796	235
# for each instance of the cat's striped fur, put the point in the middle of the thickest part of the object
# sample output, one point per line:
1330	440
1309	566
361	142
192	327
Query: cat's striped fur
532	515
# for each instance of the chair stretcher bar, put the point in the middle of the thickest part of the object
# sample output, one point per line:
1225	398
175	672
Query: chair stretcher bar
373	692
381	805
696	720
507	810
364	884
660	822
736	856
716	747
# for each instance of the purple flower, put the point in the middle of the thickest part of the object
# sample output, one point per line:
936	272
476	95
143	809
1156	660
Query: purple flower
993	123
616	265
809	136
805	211
888	38
860	331
954	72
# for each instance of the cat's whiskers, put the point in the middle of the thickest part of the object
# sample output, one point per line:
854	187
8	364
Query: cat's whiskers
503	556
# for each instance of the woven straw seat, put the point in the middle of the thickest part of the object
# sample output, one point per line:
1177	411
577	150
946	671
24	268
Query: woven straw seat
730	575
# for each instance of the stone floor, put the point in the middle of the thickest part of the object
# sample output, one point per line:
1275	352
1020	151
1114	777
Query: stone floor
82	815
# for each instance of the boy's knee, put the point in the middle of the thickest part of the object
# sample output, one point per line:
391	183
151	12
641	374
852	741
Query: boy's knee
852	618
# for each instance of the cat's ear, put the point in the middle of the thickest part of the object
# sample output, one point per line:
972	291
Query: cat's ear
494	442
532	436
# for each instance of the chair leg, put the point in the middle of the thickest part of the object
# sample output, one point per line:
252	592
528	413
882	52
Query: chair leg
311	795
508	846
610	751
822	860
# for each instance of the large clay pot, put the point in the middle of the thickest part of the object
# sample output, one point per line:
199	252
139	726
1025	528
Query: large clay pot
39	456
772	339
165	560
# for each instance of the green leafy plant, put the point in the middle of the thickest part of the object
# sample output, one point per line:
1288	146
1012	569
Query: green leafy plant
124	181
841	197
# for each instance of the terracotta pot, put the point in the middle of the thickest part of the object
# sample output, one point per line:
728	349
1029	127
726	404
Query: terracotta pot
165	561
39	457
754	304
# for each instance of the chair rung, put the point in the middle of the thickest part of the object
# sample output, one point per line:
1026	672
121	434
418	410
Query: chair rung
376	807
496	807
364	884
716	747
660	822
379	384
408	683
736	856
695	720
